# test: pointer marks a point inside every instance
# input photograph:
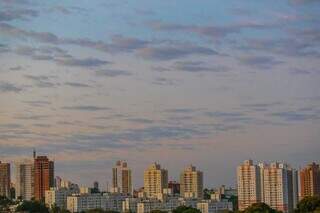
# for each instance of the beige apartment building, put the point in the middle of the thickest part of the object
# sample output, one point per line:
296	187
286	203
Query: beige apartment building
24	173
310	180
249	185
155	180
191	183
5	179
280	187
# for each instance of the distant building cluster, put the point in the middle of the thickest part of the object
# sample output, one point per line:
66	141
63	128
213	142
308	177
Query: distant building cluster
276	184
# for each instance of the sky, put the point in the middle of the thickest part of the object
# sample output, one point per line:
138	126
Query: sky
179	82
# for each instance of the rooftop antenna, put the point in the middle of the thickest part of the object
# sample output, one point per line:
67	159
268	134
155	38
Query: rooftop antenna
34	153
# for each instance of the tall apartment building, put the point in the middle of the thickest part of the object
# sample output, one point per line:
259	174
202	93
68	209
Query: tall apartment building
155	180
191	183
249	184
43	176
310	180
121	178
57	182
24	176
280	186
5	179
275	184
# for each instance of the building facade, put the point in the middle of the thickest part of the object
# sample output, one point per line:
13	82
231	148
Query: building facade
121	178
249	185
280	185
24	173
155	180
57	197
5	179
275	184
84	202
191	183
175	186
43	176
310	180
209	206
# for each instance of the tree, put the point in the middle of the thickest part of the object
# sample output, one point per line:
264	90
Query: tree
100	211
57	209
207	193
309	204
4	203
185	209
158	211
32	207
95	211
260	208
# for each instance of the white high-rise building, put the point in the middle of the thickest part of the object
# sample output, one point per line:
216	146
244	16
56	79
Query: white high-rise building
280	187
191	183
24	177
121	178
249	186
155	180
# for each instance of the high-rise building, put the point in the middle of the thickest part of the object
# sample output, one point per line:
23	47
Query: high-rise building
155	180
95	188
5	179
24	173
121	178
310	180
174	186
249	186
280	187
191	183
43	176
57	182
275	184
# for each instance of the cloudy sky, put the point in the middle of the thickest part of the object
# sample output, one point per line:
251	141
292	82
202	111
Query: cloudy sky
207	82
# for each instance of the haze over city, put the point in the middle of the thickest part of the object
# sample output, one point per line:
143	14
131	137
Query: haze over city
209	83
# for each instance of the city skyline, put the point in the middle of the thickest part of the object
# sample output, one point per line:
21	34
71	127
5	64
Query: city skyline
274	185
107	185
208	83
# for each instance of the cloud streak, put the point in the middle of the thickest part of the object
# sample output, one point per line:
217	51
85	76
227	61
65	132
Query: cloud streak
163	53
9	87
86	108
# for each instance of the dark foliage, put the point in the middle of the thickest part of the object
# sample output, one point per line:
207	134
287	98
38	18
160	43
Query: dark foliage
260	208
33	207
309	204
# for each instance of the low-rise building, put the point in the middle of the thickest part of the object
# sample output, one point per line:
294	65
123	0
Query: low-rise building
85	190
57	197
192	202
146	206
130	204
84	202
210	206
114	201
